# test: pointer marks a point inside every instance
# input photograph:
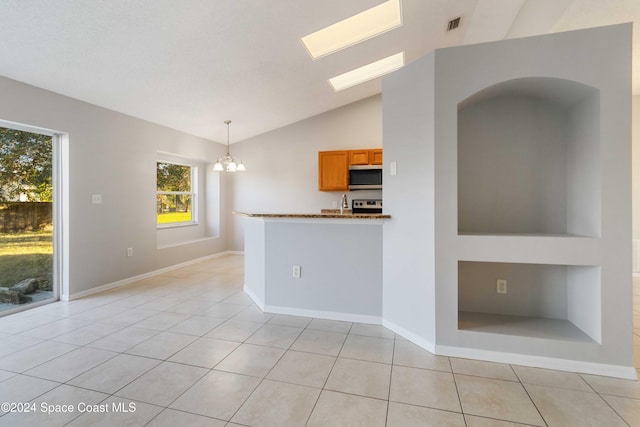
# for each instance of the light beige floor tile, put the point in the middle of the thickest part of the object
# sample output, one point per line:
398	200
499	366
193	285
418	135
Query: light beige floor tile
193	306
628	409
218	394
88	333
321	342
35	355
173	418
204	352
162	346
163	384
253	314
162	321
339	409
196	325
4	375
115	373
22	388
307	369
406	353
161	303
610	386
53	329
239	298
293	321
484	369
492	398
225	311
368	379
122	412
71	364
248	359
233	330
368	348
130	317
424	388
277	404
275	336
569	408
330	325
378	331
101	313
123	339
13	343
551	378
48	407
401	415
475	421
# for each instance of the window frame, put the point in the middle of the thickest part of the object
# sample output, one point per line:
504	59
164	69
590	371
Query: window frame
193	193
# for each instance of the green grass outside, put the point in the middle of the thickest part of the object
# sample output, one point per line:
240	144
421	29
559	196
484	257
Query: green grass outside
165	218
26	255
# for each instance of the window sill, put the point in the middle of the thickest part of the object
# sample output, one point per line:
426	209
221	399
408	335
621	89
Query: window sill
176	225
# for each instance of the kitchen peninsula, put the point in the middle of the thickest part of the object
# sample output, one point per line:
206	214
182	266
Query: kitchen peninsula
326	265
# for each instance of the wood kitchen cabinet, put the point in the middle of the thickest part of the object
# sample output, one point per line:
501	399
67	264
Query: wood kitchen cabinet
358	157
375	156
333	170
333	166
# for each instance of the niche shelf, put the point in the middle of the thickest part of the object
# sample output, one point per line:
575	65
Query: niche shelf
550	301
529	160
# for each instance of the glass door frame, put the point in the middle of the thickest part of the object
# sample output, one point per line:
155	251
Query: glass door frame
60	181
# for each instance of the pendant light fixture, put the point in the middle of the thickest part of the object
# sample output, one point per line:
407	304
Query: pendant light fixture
228	163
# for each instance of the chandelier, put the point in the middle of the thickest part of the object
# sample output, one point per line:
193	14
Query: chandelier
228	163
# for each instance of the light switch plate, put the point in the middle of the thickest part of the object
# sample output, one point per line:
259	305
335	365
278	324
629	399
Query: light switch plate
96	199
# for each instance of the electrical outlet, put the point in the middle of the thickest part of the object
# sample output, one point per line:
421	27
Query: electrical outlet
96	199
501	286
297	271
129	251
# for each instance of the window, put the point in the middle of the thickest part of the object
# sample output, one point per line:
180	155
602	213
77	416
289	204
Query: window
176	196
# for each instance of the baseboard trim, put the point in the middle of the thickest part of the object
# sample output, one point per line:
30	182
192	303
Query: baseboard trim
626	372
130	280
254	297
328	315
414	338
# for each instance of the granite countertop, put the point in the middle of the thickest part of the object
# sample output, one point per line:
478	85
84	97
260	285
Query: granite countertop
331	214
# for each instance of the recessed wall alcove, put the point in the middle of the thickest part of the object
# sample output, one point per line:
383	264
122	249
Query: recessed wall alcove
529	160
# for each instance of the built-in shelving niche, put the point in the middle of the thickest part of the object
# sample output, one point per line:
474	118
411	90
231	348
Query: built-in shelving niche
529	159
542	301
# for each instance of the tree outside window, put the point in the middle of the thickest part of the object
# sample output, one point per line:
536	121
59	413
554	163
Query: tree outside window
175	195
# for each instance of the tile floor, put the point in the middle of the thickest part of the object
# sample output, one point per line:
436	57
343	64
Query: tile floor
189	348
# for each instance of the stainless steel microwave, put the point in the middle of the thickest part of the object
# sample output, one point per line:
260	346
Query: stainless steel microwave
365	177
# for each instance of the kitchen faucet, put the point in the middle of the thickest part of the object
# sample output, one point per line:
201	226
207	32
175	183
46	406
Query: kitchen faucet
344	205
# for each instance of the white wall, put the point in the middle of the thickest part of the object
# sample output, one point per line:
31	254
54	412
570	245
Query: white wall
114	155
282	165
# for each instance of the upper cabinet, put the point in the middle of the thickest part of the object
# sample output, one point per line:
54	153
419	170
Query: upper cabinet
365	157
333	166
375	156
333	170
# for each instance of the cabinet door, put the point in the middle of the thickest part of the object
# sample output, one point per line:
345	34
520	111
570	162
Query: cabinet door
359	157
333	170
375	156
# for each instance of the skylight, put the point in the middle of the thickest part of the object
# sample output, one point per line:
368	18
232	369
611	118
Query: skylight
367	72
353	30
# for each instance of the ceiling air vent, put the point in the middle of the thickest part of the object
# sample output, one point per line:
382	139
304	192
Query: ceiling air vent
453	24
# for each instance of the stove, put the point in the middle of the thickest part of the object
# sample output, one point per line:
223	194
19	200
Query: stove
371	206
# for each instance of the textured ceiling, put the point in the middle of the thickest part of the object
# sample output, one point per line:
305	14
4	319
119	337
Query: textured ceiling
190	65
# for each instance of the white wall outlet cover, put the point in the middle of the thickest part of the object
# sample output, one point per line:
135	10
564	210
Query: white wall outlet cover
96	199
393	168
297	271
501	286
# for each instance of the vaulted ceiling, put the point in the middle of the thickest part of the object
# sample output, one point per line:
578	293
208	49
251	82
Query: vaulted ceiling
191	64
